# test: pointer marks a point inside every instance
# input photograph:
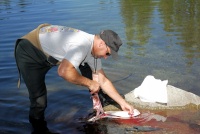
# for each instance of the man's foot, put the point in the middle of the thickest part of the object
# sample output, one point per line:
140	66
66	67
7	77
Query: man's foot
39	126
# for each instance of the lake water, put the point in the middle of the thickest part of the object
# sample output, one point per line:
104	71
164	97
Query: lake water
160	38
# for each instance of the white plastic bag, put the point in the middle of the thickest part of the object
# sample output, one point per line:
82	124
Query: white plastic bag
152	90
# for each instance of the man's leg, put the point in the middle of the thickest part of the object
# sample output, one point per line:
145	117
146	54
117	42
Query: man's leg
87	72
32	66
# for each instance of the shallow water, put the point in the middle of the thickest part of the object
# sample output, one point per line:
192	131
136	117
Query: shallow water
159	38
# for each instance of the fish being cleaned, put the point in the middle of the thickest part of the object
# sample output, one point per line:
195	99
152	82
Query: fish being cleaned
121	114
96	101
109	114
97	104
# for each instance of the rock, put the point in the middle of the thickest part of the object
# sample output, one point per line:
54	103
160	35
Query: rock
177	98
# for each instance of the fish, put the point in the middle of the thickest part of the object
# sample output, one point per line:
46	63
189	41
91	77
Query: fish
97	104
121	114
100	113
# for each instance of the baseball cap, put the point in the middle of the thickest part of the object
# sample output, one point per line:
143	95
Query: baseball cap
112	40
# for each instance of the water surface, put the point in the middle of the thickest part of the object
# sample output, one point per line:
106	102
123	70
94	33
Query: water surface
159	38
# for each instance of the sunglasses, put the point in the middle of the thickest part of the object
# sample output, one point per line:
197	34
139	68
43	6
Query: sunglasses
107	53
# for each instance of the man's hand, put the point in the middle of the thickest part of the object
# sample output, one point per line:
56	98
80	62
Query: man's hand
127	107
94	87
110	90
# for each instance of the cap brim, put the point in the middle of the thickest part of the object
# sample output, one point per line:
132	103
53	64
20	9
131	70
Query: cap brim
114	54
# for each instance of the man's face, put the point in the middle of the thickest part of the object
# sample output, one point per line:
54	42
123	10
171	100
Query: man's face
101	50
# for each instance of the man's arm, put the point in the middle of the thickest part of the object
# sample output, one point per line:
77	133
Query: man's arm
110	90
68	72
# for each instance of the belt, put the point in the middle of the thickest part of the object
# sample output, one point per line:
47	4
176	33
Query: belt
51	60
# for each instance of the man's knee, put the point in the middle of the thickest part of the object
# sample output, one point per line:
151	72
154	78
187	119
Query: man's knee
40	101
38	106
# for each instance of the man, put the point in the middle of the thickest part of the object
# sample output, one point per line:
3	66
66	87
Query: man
71	49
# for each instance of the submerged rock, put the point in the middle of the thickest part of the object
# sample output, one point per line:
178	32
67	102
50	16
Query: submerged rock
177	98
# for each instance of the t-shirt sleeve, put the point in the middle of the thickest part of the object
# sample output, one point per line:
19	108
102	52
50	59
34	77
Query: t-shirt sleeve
75	55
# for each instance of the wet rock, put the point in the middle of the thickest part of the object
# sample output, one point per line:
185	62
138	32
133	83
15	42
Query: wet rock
177	98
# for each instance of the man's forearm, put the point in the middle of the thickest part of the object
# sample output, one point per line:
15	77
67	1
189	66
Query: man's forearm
110	90
74	77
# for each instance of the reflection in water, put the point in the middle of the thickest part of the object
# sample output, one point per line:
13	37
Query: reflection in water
179	18
137	19
183	17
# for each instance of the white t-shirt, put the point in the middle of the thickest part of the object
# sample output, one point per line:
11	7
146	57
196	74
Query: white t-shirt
63	42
